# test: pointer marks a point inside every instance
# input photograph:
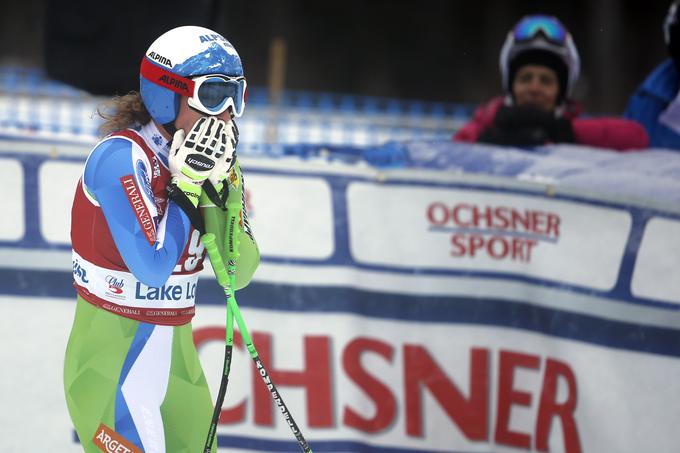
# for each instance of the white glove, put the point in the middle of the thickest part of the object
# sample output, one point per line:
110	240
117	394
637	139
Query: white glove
192	160
220	174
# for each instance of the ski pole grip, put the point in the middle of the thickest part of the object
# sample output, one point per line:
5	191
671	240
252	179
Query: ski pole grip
208	240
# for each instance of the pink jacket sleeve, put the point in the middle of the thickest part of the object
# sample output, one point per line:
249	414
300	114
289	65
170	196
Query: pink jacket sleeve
614	133
481	119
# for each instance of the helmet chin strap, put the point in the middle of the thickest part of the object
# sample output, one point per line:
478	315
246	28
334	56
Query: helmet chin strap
170	128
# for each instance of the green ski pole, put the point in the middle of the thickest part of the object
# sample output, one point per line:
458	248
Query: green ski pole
226	282
226	278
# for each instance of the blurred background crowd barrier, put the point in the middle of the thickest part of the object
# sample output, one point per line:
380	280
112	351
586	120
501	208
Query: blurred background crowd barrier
33	105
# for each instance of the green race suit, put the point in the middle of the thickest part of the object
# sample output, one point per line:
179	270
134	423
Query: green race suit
144	381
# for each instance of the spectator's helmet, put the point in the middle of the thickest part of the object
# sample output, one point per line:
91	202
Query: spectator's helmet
539	39
671	32
195	62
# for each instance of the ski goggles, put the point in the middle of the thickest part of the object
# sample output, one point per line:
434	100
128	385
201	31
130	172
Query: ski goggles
551	28
211	94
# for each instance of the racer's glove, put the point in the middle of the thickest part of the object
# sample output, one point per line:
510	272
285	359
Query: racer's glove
191	161
216	189
193	158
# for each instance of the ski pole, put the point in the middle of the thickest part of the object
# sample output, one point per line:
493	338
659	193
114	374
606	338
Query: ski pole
219	268
226	281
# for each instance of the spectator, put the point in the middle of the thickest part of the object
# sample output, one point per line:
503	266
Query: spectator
656	103
539	66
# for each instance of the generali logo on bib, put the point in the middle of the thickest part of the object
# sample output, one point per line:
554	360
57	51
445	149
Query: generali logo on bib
109	441
496	231
138	205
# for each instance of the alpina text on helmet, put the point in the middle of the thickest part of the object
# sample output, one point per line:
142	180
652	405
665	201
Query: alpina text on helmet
168	80
215	37
160	58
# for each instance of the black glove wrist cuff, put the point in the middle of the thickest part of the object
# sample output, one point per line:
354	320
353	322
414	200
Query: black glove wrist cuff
211	192
180	198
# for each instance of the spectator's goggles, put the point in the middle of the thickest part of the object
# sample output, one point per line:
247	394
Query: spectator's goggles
211	94
551	28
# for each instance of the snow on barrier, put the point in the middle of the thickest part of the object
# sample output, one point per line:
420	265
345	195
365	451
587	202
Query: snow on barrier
459	298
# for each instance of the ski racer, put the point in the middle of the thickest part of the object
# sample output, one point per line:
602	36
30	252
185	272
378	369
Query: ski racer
132	375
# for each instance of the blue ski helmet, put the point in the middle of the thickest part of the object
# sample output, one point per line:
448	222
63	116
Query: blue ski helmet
172	67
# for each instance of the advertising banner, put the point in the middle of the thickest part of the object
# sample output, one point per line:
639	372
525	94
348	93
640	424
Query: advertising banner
508	300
